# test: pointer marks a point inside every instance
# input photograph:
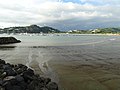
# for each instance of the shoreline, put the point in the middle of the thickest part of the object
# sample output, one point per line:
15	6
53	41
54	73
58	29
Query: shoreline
57	34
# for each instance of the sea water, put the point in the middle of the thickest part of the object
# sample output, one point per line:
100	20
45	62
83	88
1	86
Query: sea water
72	47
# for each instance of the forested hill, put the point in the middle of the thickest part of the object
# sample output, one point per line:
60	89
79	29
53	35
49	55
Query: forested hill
109	30
97	31
30	29
46	29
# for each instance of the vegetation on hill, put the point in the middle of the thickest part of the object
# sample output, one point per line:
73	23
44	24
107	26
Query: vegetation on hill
97	31
109	30
46	29
29	29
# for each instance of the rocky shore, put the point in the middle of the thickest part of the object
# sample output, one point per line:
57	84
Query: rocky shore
20	77
8	40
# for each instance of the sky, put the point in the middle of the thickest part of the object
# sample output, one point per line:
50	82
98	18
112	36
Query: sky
60	14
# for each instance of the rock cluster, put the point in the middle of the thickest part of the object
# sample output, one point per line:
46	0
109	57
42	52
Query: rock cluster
8	40
20	77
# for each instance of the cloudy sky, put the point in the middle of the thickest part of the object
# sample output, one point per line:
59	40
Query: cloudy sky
61	14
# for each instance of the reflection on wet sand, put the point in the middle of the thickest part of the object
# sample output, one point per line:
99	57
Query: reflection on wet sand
77	76
87	67
93	66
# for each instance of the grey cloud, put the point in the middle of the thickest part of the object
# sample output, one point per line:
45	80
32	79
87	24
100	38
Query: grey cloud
60	14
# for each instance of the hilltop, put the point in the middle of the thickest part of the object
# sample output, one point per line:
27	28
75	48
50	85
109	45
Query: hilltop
30	29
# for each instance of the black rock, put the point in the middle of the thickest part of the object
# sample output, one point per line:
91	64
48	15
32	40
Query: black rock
19	71
1	82
3	75
2	61
10	72
8	40
35	85
23	85
28	75
16	83
9	86
47	80
6	67
52	86
20	65
44	88
20	77
16	87
20	68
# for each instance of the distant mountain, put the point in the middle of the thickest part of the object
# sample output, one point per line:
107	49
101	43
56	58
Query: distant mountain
30	29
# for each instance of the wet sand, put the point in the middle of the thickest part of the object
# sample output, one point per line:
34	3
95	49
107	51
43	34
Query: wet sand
77	76
87	66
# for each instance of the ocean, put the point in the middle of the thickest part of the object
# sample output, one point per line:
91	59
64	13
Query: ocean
39	49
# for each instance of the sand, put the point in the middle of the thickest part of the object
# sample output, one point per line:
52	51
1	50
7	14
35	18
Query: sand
76	76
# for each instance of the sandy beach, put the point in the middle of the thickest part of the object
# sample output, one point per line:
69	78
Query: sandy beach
79	76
